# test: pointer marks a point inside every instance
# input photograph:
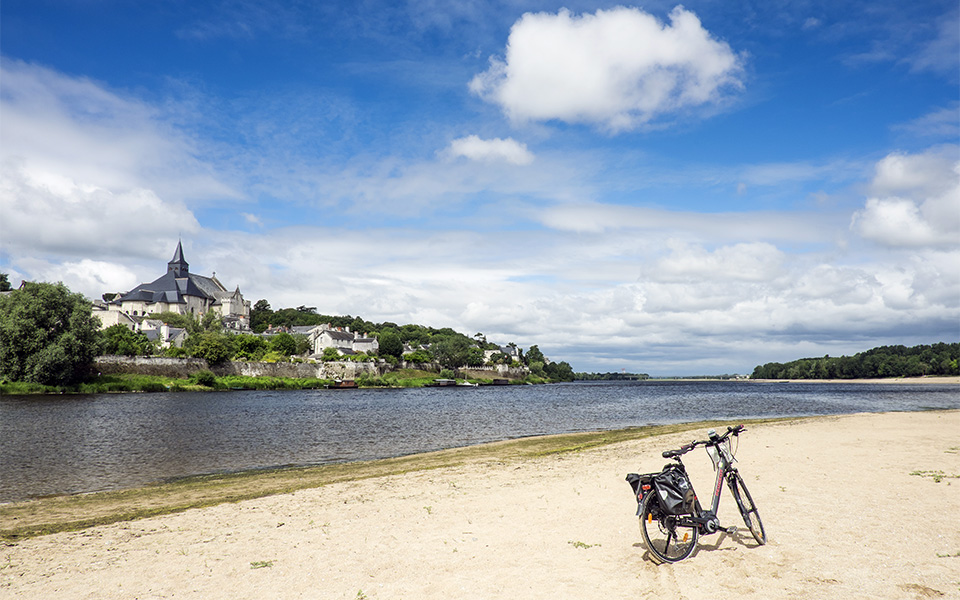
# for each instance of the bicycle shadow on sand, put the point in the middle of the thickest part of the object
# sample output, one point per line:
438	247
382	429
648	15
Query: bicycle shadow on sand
740	537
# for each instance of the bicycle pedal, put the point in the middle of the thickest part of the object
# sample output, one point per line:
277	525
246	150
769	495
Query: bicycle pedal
731	530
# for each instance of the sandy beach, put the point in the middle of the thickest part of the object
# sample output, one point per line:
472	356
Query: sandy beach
845	512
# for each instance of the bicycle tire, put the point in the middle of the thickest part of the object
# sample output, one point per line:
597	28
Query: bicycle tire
666	539
748	509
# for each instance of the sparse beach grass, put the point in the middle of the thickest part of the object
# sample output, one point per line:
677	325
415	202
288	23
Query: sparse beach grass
70	513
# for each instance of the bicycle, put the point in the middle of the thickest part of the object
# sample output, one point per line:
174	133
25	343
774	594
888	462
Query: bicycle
671	518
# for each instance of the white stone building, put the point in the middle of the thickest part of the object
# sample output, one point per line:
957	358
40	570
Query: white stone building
185	293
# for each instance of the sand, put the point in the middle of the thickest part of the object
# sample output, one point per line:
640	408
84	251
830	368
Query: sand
844	516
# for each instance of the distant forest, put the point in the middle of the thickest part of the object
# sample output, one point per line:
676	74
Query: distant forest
611	376
885	361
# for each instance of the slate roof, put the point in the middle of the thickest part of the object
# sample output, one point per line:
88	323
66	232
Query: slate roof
176	283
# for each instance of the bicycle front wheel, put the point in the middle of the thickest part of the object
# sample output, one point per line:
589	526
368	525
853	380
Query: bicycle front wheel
666	538
748	509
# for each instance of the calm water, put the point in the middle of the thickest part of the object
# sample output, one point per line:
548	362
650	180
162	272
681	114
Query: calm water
69	444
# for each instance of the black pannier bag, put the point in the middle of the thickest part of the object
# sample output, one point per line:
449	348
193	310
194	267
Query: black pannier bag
675	491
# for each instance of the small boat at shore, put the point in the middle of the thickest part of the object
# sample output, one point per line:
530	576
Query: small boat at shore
443	383
343	384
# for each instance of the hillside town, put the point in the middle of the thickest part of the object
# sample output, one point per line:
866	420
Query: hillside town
182	292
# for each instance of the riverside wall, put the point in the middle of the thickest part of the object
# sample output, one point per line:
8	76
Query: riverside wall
185	367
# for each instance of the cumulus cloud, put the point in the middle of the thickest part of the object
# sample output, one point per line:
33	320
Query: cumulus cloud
914	200
756	261
88	172
92	278
495	150
619	68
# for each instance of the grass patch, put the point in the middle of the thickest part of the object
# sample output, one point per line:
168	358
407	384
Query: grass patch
72	513
936	476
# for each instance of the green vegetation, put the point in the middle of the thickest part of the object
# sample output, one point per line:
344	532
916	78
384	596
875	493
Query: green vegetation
119	340
885	361
936	476
48	335
611	376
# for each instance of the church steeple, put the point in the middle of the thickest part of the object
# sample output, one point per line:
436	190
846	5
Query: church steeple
178	265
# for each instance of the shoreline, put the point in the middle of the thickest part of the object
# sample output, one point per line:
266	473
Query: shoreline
74	512
850	504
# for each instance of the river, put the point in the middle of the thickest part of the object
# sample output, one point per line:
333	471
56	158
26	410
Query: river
81	443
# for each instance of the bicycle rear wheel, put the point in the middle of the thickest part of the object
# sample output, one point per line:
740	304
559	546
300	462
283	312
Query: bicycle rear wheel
748	509
665	537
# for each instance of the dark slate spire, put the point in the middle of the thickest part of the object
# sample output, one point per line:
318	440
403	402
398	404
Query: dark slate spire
178	265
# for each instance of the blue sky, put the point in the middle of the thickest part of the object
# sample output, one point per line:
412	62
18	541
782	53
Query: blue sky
661	188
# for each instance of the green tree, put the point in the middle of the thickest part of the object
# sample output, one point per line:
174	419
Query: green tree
560	371
452	352
390	344
48	335
303	344
118	339
418	356
214	347
534	355
5	283
260	316
284	344
173	319
249	347
330	353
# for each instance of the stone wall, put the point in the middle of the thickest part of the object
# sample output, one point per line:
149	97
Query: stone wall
185	367
150	365
494	372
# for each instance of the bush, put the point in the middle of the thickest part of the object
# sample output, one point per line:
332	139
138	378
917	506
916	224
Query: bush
205	378
419	356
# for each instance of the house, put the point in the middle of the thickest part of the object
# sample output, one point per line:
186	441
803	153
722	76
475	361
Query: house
182	292
341	338
164	334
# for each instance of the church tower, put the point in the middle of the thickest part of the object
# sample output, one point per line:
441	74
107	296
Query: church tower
178	265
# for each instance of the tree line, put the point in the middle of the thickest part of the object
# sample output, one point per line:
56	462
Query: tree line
883	361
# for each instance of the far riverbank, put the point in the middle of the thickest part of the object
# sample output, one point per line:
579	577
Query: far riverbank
948	379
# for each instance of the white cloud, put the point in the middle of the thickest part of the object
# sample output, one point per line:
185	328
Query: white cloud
47	212
619	68
941	53
91	278
82	131
915	201
495	150
742	262
942	123
252	219
785	226
88	172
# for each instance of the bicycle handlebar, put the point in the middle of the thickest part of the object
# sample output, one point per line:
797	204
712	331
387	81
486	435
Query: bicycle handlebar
711	442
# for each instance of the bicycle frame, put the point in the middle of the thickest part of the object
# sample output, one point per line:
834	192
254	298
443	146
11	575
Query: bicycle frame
706	520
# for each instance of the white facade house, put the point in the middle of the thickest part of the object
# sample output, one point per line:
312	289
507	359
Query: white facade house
341	338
